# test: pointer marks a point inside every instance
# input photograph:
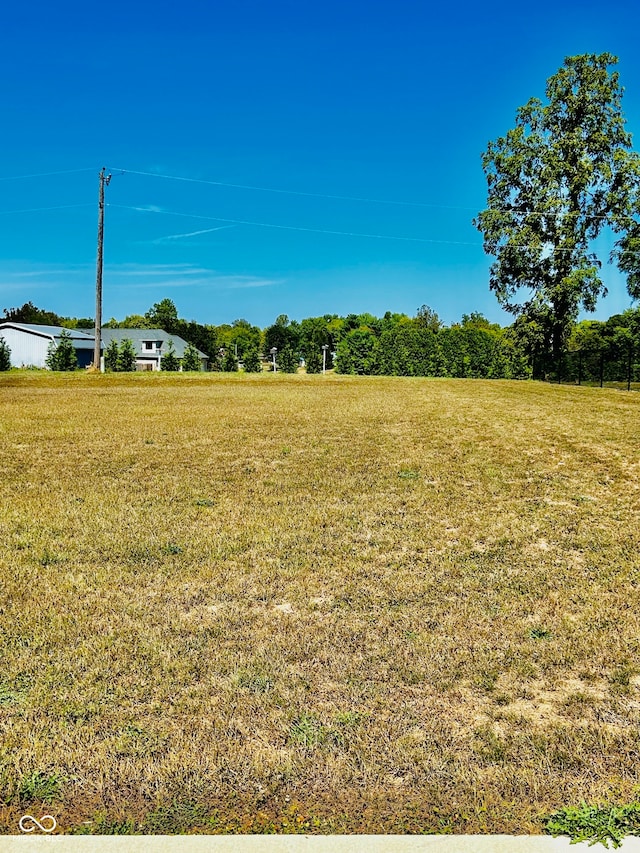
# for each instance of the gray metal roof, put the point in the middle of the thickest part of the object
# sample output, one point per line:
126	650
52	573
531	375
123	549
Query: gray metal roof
81	339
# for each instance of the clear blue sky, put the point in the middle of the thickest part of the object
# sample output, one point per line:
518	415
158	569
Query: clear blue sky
330	108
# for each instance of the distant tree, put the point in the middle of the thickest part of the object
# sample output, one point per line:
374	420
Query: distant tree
282	334
111	357
479	321
531	334
242	336
126	361
252	363
169	360
454	347
133	321
28	313
314	334
428	319
162	315
358	353
191	359
287	360
229	361
5	355
63	356
313	361
77	322
518	361
204	338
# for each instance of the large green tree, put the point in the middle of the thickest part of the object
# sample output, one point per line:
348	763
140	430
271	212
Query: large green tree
561	175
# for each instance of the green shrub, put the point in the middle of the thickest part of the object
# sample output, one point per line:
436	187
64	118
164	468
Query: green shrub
251	361
313	363
229	362
126	360
5	355
287	360
170	361
63	356
111	356
595	823
191	359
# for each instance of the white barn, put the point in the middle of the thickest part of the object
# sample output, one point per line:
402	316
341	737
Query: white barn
29	343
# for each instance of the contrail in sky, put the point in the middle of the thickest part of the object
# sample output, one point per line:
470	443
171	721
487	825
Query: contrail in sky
193	233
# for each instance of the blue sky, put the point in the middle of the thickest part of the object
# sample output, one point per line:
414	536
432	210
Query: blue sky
317	157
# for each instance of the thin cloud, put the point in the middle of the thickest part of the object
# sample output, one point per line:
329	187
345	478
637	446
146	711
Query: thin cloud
6	287
149	208
153	270
50	271
241	282
193	278
129	276
190	234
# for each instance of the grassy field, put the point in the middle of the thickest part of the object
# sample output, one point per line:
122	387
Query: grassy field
316	604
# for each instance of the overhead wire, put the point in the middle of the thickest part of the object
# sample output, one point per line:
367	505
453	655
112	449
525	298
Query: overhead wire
44	174
55	207
236	222
291	192
292	227
364	199
265	224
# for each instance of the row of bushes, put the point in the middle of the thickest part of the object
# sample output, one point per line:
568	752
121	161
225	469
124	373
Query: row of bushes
410	350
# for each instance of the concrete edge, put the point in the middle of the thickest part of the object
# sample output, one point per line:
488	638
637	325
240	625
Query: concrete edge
295	843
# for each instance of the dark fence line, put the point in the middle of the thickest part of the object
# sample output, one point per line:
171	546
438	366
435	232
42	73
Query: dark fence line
592	368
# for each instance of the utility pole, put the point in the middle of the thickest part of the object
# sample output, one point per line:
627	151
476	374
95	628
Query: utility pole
104	182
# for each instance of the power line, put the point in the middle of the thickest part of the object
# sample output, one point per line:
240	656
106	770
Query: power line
515	211
328	231
293	192
38	209
294	227
43	174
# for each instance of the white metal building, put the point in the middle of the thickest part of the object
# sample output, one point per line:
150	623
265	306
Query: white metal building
29	343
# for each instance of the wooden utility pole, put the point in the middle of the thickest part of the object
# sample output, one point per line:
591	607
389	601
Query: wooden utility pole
104	182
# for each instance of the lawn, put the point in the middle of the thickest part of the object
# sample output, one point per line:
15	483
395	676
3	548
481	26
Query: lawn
237	603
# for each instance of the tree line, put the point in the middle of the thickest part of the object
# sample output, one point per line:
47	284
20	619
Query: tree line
363	344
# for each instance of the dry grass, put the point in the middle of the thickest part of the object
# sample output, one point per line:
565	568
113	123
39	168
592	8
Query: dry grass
332	604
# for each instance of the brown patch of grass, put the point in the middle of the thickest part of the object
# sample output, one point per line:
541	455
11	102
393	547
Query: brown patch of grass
420	617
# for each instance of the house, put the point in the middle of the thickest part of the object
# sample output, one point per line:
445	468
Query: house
29	343
150	345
